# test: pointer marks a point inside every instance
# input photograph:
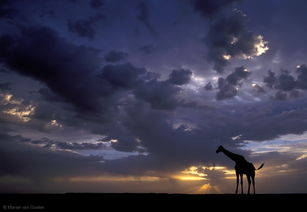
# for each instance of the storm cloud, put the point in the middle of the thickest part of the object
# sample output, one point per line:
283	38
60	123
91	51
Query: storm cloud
301	81
228	88
144	17
229	37
122	75
287	83
209	8
6	10
115	56
180	77
40	48
159	94
85	27
97	3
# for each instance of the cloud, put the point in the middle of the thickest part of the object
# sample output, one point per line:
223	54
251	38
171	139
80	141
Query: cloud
208	86
258	89
270	80
285	81
31	166
228	88
180	76
126	143
159	94
226	91
71	75
68	69
41	164
15	109
165	142
301	82
115	56
228	38
145	85
238	75
122	75
5	86
210	8
4	70
280	95
281	118
97	3
6	9
283	95
143	16
147	49
50	96
286	84
85	27
60	145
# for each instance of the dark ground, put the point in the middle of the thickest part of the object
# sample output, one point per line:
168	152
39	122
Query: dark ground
151	202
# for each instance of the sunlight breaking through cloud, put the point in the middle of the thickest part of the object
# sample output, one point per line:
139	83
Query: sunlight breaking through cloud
260	47
54	124
201	172
7	98
16	107
23	113
196	83
227	56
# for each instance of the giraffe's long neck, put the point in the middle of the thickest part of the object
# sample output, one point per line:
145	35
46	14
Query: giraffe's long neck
235	157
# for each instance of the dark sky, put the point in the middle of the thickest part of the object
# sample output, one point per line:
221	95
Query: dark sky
136	95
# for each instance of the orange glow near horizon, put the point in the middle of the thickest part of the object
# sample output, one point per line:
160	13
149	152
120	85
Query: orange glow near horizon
199	173
188	178
93	179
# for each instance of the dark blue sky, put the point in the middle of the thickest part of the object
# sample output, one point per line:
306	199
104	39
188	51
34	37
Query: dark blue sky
136	95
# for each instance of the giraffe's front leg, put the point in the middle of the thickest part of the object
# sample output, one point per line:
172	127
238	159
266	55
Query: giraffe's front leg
249	183
237	183
241	176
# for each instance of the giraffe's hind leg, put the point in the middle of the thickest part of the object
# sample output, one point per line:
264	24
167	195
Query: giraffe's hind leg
253	181
237	183
249	183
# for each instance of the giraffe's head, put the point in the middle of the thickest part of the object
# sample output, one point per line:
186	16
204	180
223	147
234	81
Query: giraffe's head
219	149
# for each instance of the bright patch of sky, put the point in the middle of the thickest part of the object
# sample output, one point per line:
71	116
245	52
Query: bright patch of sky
291	144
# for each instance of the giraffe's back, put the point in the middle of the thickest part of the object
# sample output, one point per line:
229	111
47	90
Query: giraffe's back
245	168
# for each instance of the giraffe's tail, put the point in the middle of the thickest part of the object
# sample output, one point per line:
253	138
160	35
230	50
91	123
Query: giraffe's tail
260	166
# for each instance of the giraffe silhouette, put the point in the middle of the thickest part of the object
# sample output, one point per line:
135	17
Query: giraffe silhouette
242	167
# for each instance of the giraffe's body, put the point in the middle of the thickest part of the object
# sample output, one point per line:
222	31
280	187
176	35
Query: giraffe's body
242	167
